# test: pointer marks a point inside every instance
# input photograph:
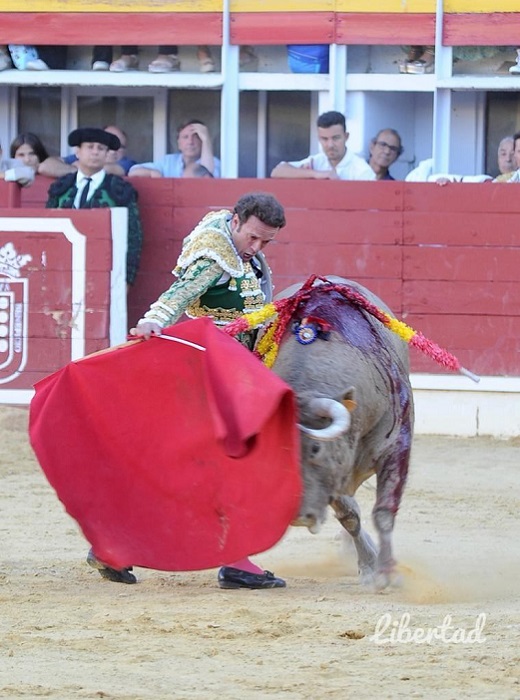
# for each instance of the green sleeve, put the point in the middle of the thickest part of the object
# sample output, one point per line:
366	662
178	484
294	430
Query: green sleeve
193	283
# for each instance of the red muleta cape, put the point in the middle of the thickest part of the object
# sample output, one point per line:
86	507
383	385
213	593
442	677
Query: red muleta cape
170	457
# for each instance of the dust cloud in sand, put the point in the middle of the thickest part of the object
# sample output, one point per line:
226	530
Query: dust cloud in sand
66	633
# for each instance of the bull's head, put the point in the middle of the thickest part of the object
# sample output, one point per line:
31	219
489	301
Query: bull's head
322	450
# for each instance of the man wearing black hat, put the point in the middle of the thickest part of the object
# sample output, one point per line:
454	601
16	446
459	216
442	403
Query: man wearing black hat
91	187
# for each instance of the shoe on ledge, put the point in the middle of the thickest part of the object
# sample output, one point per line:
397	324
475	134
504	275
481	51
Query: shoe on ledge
165	64
116	575
37	64
124	63
100	65
207	65
229	577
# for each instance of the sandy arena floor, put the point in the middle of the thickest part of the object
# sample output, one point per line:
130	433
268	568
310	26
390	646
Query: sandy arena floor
65	633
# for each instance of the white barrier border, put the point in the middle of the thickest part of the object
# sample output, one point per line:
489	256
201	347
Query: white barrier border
118	307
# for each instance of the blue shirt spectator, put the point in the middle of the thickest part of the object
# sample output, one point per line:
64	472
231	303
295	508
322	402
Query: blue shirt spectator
194	144
172	165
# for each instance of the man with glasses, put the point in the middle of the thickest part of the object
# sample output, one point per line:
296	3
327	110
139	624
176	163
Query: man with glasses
385	149
335	162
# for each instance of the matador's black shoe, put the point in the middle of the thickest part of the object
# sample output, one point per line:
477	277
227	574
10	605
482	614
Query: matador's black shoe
117	575
236	578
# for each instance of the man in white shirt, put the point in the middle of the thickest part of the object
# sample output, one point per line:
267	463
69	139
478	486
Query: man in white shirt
194	144
334	162
424	173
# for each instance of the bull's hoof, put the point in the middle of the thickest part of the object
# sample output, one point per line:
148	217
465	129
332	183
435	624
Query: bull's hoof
387	579
367	577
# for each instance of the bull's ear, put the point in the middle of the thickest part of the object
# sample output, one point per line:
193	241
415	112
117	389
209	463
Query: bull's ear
348	399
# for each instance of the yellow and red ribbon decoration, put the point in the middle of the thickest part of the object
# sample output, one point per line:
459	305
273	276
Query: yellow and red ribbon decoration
282	310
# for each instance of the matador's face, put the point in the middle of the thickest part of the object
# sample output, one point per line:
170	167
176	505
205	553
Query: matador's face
251	236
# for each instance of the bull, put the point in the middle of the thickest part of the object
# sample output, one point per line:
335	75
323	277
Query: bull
350	375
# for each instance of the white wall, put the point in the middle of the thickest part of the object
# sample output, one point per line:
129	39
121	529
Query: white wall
467	133
454	405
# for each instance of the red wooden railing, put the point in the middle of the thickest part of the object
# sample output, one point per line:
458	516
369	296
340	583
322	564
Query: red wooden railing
446	260
260	28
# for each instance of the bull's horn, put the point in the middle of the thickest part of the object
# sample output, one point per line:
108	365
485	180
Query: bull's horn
328	408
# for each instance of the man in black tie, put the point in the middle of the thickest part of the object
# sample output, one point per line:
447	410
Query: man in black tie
83	198
92	187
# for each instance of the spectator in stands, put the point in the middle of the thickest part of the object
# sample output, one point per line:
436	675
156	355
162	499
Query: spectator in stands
196	170
419	60
117	162
120	156
335	162
506	159
91	187
194	144
516	68
28	149
308	58
515	176
248	58
54	57
5	58
114	158
13	170
424	173
385	148
21	57
167	60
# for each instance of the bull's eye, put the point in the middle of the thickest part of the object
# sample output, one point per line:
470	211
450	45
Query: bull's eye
315	448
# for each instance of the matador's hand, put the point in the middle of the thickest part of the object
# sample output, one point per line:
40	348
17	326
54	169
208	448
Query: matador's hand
145	329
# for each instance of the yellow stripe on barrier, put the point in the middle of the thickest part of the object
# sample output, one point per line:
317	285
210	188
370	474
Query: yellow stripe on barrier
266	6
386	6
283	6
374	6
56	6
480	6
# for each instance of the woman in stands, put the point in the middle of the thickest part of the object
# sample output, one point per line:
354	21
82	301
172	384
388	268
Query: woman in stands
29	149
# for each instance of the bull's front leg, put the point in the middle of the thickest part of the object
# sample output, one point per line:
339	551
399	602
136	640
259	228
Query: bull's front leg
348	513
384	524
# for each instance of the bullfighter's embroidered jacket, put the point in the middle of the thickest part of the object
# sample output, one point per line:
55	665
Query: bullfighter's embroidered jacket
212	278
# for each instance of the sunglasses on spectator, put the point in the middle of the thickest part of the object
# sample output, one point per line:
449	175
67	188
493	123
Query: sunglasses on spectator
384	144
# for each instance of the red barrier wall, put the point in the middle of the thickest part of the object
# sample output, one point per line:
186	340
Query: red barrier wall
55	291
498	28
446	260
